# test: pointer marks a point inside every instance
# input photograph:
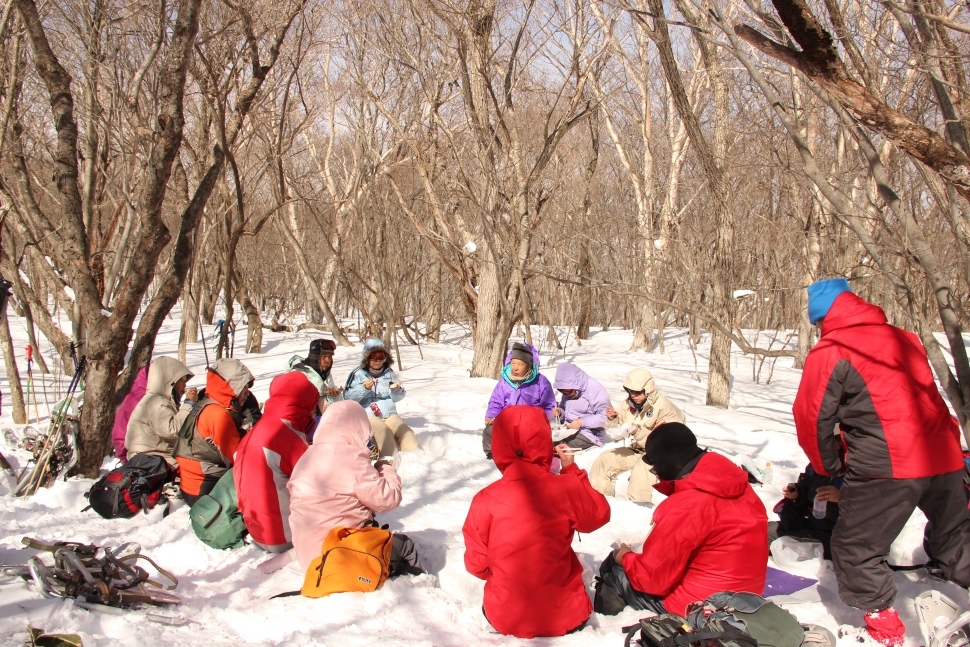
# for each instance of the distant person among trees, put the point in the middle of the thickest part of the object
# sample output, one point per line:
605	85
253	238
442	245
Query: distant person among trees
218	424
123	414
869	408
643	410
158	416
316	366
582	408
267	455
519	531
520	383
376	387
709	535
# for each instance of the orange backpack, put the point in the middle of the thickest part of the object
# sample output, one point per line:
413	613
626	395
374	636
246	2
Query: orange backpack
352	559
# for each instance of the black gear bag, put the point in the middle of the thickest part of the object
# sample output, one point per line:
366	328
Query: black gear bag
126	490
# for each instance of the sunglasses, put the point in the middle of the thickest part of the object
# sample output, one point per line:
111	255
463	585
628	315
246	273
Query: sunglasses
632	392
380	357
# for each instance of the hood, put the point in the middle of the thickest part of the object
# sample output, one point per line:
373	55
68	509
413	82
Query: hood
714	474
234	372
535	356
640	379
343	423
849	310
570	376
163	373
370	346
292	397
521	433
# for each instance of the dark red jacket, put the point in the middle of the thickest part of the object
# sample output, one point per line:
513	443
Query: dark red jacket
710	534
874	381
519	531
267	455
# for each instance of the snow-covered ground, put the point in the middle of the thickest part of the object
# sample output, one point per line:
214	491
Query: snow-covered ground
227	601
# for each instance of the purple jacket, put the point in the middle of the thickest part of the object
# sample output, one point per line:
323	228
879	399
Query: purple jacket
590	405
124	413
536	392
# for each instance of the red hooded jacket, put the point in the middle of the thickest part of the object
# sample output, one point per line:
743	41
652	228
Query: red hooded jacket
709	535
519	531
874	381
267	455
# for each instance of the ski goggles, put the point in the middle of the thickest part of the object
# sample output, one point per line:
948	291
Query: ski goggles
632	392
379	357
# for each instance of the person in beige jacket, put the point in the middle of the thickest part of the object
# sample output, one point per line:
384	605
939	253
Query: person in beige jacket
643	411
155	422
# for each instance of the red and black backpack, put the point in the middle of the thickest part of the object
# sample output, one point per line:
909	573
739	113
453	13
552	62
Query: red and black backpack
126	490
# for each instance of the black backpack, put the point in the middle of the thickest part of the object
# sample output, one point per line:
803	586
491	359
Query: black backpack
126	490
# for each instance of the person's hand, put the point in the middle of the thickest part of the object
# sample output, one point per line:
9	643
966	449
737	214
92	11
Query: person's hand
556	412
192	394
368	384
334	392
395	386
566	454
611	413
381	463
575	424
828	493
489	421
791	491
620	552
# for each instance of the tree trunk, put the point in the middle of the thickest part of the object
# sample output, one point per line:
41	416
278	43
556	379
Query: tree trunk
17	407
493	325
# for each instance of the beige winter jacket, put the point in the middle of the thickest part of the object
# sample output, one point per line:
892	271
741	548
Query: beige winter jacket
655	411
156	420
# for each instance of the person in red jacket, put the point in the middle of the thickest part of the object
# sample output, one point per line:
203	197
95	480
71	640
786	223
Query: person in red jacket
868	408
267	455
519	531
709	534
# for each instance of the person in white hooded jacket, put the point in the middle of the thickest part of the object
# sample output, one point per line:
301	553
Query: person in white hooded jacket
644	409
334	485
155	422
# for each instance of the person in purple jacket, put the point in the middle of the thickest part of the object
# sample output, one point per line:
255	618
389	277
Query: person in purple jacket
120	427
521	383
582	408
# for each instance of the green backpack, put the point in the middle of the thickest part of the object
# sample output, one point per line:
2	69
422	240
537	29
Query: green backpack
216	518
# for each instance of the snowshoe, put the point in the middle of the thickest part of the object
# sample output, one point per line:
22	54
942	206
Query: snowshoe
98	577
941	622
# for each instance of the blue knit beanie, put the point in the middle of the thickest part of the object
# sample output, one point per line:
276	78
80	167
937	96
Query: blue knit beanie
821	296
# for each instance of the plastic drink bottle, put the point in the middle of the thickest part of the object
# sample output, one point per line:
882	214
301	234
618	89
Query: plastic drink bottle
819	508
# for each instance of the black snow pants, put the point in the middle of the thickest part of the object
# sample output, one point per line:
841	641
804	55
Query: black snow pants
873	513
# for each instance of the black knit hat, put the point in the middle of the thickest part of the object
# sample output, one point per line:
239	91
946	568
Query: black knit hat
669	448
522	352
320	347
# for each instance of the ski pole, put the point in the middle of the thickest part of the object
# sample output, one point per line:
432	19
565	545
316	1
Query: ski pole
31	385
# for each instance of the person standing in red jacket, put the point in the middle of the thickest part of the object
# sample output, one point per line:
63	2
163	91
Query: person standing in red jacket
868	408
267	455
519	531
710	534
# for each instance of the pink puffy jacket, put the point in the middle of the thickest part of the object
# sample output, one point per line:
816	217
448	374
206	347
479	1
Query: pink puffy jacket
335	484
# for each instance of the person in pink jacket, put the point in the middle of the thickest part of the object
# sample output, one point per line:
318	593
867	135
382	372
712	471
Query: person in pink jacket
123	414
267	455
335	485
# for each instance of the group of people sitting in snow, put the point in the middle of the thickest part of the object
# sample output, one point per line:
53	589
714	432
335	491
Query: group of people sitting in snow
880	440
878	435
301	465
